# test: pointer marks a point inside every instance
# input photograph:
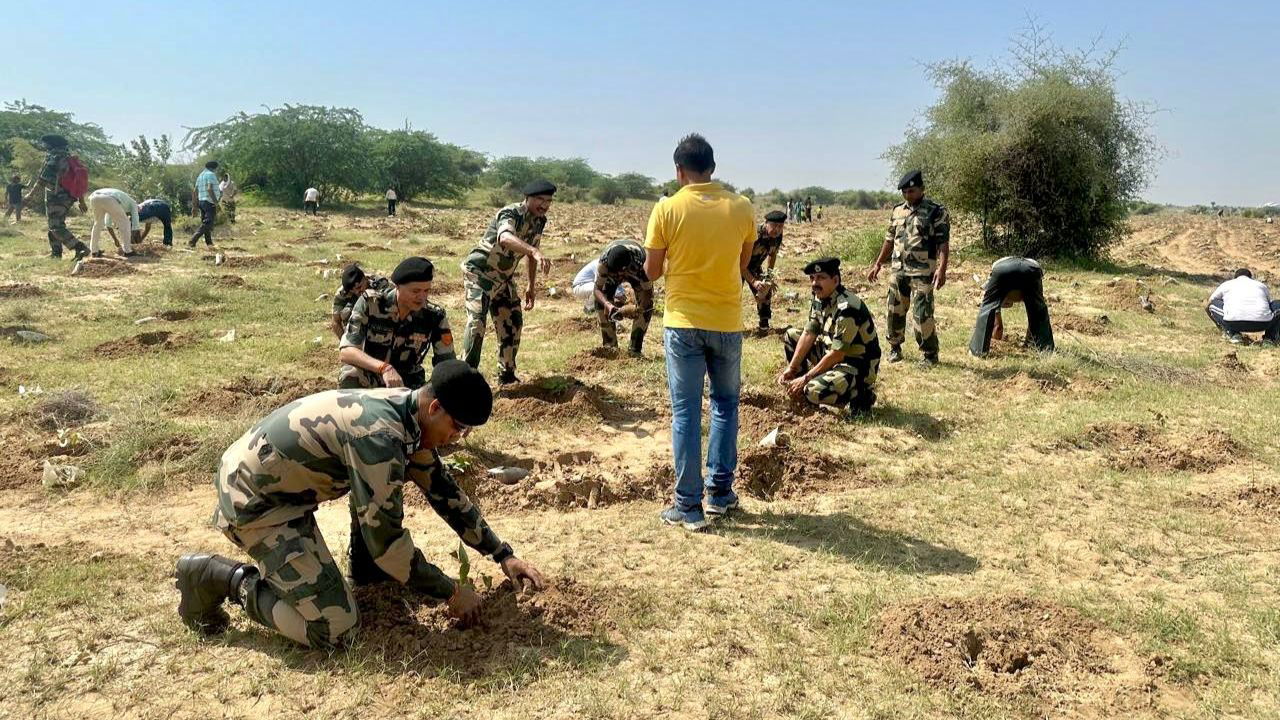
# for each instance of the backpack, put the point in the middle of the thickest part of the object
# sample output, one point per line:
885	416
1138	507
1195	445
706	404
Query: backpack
76	179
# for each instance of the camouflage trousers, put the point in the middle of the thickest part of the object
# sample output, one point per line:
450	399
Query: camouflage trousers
503	303
639	324
850	384
56	208
764	300
918	291
300	592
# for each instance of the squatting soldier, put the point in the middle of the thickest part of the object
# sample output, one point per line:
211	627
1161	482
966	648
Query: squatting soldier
835	360
760	278
623	262
918	238
354	283
318	448
1013	279
389	332
57	197
489	277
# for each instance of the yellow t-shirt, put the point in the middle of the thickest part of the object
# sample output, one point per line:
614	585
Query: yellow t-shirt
703	228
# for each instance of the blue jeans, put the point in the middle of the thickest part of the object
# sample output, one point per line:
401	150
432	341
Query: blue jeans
692	356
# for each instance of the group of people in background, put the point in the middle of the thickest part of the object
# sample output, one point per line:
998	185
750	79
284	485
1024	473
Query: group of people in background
803	210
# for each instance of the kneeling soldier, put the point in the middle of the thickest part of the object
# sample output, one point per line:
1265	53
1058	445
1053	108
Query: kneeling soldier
272	479
836	359
623	262
354	283
758	277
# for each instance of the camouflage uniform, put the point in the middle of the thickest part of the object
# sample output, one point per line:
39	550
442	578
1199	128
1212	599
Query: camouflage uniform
343	301
842	322
764	247
273	478
608	283
57	202
916	234
372	327
488	276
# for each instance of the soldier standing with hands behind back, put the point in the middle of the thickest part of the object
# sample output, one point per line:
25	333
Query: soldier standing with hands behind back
918	239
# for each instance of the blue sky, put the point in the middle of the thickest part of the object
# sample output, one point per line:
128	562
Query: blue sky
789	95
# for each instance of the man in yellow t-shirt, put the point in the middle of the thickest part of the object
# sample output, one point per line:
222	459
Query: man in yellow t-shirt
701	240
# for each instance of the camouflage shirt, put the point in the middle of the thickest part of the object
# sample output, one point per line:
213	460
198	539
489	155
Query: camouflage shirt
55	166
490	260
373	327
632	273
760	252
364	442
916	234
842	322
343	300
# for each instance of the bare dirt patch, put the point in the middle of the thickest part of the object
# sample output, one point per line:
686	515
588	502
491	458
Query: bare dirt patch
596	360
781	473
760	412
20	290
228	281
1125	294
1137	446
1229	363
558	397
173	449
104	268
1011	646
1253	499
175	315
259	394
148	342
1084	325
514	628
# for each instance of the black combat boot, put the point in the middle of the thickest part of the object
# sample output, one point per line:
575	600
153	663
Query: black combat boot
204	581
860	406
929	360
895	353
82	252
507	377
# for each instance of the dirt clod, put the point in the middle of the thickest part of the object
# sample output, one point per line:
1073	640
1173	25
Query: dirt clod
175	315
158	341
20	290
256	394
1081	324
104	267
557	397
772	473
228	281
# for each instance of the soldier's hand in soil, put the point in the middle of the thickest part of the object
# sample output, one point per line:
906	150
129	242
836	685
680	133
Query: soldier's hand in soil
528	299
786	375
795	388
465	604
520	571
873	272
391	377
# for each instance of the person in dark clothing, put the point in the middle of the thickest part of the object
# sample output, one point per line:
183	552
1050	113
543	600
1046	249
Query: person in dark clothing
150	211
1013	279
13	193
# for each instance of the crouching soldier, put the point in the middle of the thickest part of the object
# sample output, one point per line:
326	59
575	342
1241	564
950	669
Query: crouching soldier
1013	279
835	360
354	283
273	478
623	262
758	277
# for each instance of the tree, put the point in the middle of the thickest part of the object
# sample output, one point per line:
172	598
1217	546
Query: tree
21	119
286	150
820	195
607	190
1044	153
416	163
636	185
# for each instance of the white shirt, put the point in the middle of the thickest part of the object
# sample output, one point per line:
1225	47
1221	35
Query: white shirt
126	202
391	194
229	190
311	195
1244	300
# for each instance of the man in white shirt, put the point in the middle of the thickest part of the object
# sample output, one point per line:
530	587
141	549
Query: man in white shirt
123	211
230	195
392	198
310	200
1242	305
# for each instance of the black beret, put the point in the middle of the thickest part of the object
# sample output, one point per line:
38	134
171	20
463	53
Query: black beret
828	265
539	187
776	216
53	141
413	269
351	275
912	179
463	392
615	258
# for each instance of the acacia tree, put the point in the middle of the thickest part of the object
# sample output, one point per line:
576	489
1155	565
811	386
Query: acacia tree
28	121
416	163
1042	151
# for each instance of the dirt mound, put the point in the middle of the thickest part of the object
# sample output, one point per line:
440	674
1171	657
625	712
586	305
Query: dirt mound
174	315
1253	499
1124	294
149	251
159	341
1008	646
228	281
363	246
597	359
1083	325
780	473
557	397
103	268
20	290
1136	446
258	394
759	413
173	449
514	628
1230	363
70	408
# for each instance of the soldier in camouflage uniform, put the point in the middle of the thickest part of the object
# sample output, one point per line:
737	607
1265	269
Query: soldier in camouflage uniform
389	332
623	262
918	238
758	277
488	275
368	443
57	200
835	360
354	284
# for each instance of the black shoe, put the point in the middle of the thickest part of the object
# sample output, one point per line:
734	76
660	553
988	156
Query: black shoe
204	581
55	256
895	354
861	405
929	361
192	244
82	252
508	377
97	254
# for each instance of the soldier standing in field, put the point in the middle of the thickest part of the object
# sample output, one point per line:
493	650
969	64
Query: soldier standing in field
489	277
835	359
918	239
623	262
271	481
758	277
354	283
57	196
